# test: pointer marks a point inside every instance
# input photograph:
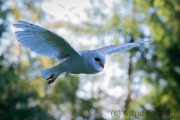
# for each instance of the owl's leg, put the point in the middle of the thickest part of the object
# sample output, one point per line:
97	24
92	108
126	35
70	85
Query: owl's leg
51	79
52	73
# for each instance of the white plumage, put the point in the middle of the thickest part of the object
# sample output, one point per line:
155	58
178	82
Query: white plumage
47	43
43	41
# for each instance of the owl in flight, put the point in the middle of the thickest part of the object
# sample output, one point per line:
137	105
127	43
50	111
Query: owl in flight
47	43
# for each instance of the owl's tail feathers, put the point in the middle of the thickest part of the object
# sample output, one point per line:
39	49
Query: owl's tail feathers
52	73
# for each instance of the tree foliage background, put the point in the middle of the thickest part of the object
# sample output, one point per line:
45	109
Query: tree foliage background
153	67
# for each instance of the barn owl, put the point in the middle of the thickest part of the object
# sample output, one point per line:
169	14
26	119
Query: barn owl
47	43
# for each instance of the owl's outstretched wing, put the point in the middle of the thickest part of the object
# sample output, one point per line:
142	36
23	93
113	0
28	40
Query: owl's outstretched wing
119	48
43	41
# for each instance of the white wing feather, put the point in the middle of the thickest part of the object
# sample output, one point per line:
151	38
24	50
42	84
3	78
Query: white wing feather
43	41
119	48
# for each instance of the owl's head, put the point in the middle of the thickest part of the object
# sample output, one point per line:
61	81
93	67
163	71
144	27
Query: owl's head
97	60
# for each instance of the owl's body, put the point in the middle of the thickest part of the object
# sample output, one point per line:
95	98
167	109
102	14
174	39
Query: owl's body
81	64
47	43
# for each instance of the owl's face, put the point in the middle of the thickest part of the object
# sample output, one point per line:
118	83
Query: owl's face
97	61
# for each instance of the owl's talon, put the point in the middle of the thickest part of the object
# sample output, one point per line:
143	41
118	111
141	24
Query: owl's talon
51	77
51	81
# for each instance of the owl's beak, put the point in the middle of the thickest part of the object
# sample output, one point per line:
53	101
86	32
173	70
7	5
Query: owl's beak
102	65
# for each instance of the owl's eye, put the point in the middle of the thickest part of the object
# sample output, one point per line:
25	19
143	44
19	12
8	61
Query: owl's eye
97	59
